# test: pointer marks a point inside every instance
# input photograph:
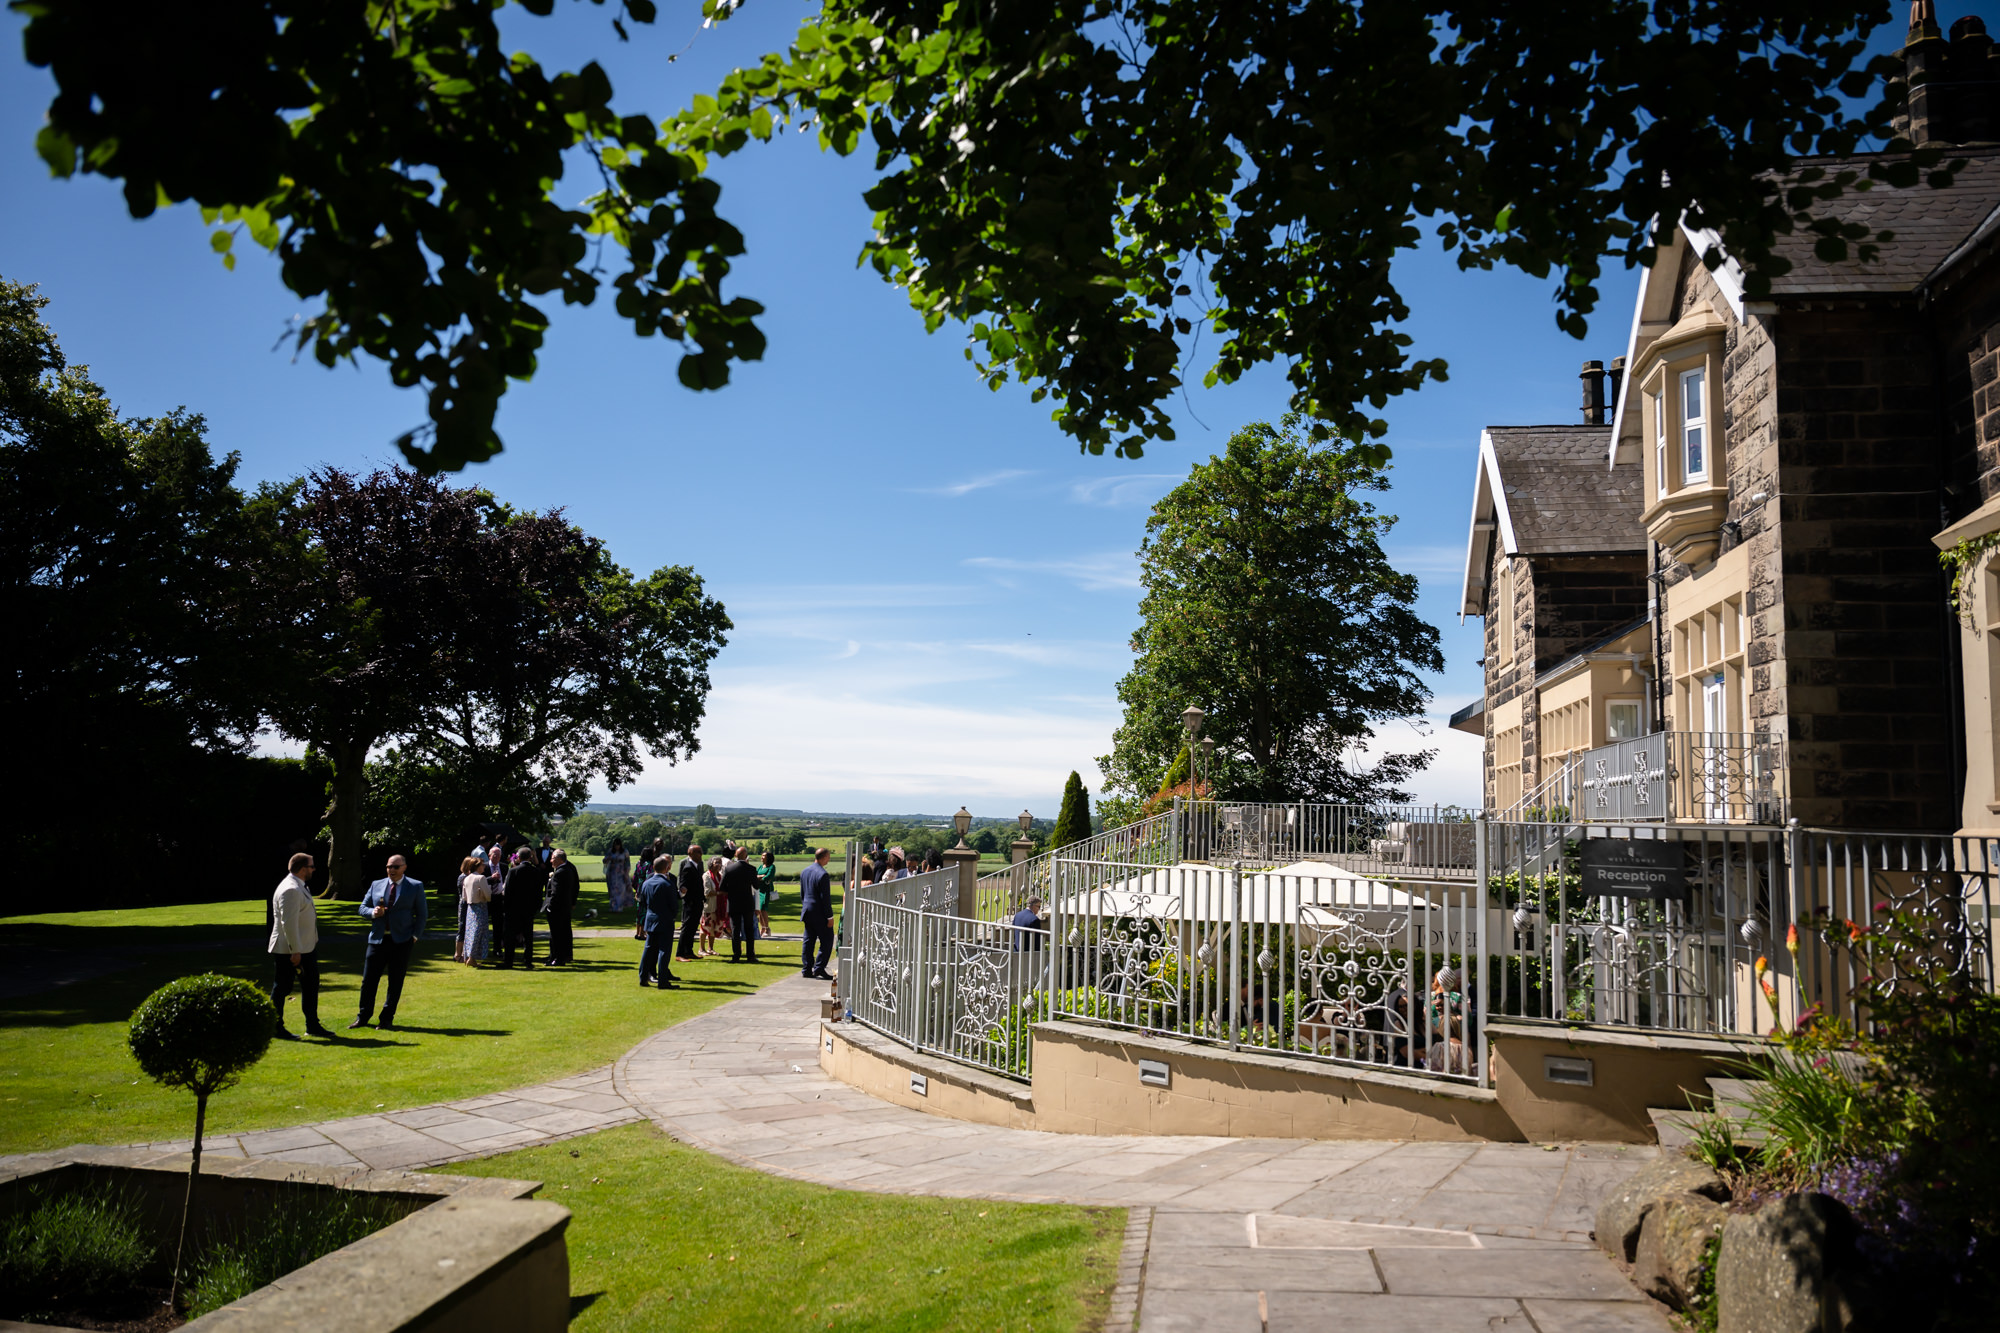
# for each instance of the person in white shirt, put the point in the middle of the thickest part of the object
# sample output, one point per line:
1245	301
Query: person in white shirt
294	944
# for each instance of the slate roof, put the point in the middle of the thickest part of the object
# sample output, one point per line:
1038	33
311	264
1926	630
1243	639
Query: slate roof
1560	496
1929	225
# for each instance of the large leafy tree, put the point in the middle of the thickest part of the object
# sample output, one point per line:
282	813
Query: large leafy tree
1269	603
133	568
1087	185
505	648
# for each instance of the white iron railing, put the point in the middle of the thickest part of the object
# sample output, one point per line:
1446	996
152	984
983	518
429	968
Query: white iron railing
1317	963
1687	960
940	983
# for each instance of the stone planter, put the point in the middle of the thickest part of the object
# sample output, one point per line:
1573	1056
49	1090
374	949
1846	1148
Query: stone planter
468	1255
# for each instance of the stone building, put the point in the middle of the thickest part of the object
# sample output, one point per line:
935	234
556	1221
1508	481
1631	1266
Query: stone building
1800	461
1557	565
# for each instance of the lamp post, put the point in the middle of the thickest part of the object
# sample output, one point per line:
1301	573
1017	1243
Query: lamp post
1192	718
1023	845
1207	758
966	862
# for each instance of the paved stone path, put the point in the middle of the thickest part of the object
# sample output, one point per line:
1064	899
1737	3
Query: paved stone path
434	1135
1257	1235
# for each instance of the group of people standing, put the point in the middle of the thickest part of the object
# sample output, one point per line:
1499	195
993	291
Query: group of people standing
726	896
396	910
499	898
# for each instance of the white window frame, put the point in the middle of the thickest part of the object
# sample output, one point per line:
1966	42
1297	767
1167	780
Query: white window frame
1638	718
1690	473
1660	438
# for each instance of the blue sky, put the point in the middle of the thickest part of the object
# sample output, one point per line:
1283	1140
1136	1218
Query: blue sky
932	589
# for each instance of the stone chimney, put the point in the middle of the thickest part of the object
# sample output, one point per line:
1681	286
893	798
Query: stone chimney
1614	379
1593	393
1954	83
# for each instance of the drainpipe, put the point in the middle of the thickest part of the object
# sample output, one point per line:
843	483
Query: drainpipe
1659	691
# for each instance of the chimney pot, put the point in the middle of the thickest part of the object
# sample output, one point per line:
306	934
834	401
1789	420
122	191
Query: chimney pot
1593	393
1614	381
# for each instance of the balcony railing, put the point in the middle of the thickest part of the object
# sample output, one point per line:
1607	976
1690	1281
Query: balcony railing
1716	777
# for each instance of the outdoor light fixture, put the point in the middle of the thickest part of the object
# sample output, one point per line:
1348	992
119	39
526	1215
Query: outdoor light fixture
961	821
1191	719
1026	820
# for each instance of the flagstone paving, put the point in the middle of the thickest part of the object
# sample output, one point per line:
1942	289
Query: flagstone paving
1258	1235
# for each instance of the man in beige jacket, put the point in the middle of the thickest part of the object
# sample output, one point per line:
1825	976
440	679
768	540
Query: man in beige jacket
294	940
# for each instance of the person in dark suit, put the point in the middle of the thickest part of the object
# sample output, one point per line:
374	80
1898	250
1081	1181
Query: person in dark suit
659	904
739	882
692	892
396	912
816	913
525	883
564	886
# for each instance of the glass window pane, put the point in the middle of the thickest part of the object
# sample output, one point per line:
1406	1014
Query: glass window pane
1621	720
1691	391
1696	464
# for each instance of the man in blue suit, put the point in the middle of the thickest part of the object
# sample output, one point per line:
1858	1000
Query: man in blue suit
816	915
659	901
395	909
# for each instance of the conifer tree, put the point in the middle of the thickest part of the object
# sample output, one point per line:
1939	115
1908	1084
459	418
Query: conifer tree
1073	824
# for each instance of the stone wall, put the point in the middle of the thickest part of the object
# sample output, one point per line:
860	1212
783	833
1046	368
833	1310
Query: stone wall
1969	335
1580	599
1868	690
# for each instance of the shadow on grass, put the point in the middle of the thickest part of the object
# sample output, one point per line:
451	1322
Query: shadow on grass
578	1304
454	1032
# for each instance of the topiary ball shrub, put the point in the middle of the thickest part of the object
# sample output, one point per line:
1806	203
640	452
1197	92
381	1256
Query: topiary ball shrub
201	1033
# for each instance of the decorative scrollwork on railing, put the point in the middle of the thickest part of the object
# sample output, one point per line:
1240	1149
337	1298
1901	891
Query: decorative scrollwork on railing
883	958
1132	948
1629	970
1353	991
984	996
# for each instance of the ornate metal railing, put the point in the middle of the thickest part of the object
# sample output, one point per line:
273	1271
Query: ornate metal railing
1427	841
1148	842
1683	954
1699	777
941	983
1321	964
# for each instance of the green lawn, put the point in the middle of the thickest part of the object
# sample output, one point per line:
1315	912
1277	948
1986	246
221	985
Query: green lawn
665	1236
66	1076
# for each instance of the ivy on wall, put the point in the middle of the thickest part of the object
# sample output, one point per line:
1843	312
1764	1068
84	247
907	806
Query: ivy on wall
1962	560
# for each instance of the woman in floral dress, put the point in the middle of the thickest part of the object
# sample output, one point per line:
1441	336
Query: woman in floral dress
618	876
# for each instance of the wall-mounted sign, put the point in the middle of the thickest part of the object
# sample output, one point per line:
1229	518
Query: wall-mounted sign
1634	868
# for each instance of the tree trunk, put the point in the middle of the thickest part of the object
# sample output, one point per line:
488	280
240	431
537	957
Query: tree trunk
346	876
187	1202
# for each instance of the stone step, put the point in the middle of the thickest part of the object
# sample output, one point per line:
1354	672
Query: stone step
1670	1127
1732	1096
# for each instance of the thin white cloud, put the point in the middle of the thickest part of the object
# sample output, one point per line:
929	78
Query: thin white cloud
1112	492
1108	572
971	484
801	744
772	599
1427	559
1057	652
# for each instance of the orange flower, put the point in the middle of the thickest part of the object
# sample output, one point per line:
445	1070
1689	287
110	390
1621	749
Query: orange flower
1792	939
1770	991
1854	932
1763	966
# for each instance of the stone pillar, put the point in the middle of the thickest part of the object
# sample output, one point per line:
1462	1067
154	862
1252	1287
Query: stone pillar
966	861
